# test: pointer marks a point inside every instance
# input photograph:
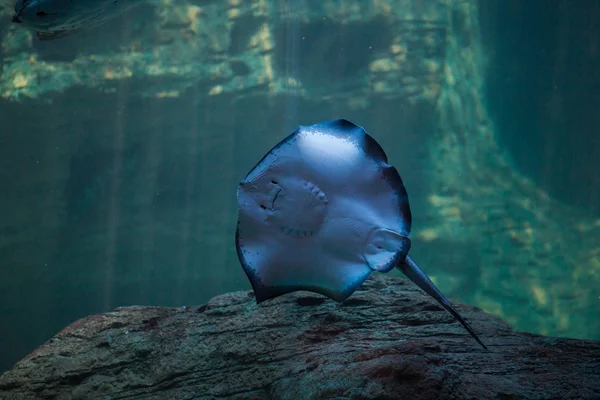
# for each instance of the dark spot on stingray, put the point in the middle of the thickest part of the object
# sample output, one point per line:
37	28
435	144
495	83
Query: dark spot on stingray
263	207
41	14
310	301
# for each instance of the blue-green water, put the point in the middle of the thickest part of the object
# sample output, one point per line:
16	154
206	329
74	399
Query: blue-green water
121	148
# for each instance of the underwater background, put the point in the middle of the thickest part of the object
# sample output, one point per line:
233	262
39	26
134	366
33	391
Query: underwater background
121	148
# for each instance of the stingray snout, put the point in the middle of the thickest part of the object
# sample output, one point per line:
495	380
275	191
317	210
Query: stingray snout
264	193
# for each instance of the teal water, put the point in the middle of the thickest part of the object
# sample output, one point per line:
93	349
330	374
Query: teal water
121	148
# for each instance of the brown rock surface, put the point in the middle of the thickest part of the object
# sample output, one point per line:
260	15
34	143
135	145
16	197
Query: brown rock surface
388	341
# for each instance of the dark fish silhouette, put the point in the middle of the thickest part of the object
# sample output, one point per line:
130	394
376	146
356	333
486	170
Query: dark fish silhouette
321	211
53	19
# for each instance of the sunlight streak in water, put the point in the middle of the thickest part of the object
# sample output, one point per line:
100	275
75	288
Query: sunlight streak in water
287	13
113	209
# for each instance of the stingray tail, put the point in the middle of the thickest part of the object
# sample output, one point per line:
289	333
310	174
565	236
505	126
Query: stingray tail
419	278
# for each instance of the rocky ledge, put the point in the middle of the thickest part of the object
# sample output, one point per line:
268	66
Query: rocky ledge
388	341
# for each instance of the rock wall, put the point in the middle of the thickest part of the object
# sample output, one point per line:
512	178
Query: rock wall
539	259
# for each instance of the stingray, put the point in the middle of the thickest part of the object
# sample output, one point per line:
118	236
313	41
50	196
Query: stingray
321	211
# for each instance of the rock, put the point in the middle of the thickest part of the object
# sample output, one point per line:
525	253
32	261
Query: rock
388	341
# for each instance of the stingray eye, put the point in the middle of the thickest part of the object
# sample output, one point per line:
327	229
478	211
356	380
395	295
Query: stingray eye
263	207
41	14
274	182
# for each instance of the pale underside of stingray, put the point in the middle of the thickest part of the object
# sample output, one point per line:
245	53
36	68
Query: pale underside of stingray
321	211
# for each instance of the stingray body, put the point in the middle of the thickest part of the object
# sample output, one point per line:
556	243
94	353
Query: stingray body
321	211
53	19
